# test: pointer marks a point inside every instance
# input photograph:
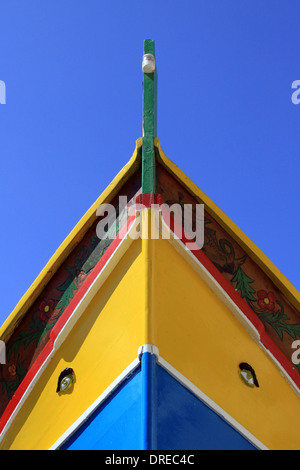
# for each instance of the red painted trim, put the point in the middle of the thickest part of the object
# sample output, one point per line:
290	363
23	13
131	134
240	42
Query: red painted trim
91	278
42	357
265	339
146	201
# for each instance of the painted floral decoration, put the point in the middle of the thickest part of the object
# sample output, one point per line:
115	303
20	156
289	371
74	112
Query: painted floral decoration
266	301
46	308
12	370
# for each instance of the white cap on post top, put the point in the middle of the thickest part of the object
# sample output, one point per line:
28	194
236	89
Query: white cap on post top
148	64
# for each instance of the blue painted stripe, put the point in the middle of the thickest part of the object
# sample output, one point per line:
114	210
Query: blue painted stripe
149	394
152	410
185	422
116	424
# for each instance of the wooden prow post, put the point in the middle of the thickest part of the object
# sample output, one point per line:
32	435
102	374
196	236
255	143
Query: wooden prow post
149	118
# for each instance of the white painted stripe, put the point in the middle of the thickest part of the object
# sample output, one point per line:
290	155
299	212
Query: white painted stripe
150	348
112	387
94	287
209	279
225	298
214	285
178	376
211	404
97	283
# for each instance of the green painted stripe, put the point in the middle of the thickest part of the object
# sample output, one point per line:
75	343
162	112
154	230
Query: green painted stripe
149	125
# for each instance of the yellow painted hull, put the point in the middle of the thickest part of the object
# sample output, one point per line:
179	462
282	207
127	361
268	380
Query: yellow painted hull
155	292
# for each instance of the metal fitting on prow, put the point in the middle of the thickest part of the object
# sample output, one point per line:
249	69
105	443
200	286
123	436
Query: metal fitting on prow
148	64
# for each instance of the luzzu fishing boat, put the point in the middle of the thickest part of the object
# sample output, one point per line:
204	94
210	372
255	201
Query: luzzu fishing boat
148	342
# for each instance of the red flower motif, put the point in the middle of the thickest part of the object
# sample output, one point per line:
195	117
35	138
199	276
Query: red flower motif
266	301
12	369
46	308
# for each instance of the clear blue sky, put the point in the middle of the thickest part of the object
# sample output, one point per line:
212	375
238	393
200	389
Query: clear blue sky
73	111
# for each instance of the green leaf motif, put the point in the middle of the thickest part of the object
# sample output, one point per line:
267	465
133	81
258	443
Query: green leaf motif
278	322
243	285
11	386
67	295
34	332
